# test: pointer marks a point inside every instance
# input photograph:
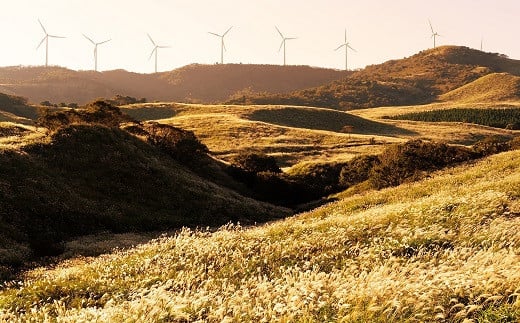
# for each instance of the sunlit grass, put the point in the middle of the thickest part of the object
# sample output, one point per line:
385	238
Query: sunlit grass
443	249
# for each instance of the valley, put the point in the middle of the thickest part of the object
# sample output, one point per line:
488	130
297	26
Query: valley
321	201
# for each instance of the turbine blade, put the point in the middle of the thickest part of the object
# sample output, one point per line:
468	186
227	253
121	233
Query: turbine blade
163	46
351	48
45	31
54	36
224	34
279	32
151	54
106	41
281	44
89	39
224	46
340	46
431	27
209	32
149	37
290	38
41	42
345	35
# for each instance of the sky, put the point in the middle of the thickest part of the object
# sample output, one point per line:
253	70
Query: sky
379	30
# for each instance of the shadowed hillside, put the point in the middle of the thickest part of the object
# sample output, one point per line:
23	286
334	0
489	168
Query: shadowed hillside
198	83
441	250
418	79
86	178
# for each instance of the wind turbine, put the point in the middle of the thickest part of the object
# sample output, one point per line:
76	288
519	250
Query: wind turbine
222	45
155	50
347	46
434	33
284	39
46	40
95	49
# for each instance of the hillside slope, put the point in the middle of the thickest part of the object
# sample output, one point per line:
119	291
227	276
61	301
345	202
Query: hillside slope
199	83
443	249
417	79
87	178
496	87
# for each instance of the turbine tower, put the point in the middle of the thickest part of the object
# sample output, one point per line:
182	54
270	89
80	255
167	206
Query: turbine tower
347	46
155	51
222	45
434	33
95	49
284	39
46	40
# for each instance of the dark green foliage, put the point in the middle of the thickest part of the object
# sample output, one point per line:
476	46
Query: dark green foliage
181	144
321	178
493	145
125	100
498	118
98	112
409	161
91	178
11	100
357	170
256	163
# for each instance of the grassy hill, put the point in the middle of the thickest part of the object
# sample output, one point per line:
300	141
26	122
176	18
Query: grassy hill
491	88
443	249
418	79
291	134
89	178
199	83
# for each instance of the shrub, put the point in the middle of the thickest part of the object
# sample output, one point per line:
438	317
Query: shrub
409	161
491	145
181	144
256	163
357	170
98	112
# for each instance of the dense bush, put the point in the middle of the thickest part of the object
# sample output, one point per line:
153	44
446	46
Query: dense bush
409	161
256	163
124	100
321	178
98	112
357	170
181	144
498	118
493	145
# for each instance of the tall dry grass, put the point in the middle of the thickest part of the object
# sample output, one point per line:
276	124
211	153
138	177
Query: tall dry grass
443	249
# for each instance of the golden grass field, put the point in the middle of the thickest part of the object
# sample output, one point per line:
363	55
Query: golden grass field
445	249
442	249
305	134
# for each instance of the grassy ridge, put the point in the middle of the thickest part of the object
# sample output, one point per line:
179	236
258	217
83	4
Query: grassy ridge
441	249
499	118
87	178
495	87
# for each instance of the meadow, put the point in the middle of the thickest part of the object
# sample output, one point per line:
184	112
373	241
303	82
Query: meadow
442	249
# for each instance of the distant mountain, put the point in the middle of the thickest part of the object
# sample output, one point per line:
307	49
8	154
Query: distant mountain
195	83
418	79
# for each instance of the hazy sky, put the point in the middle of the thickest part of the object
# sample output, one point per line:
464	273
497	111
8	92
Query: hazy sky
378	29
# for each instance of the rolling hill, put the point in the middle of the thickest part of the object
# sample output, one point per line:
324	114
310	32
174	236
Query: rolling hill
495	87
87	178
418	79
442	249
197	83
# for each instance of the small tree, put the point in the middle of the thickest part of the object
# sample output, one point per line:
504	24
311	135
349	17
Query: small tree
256	163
